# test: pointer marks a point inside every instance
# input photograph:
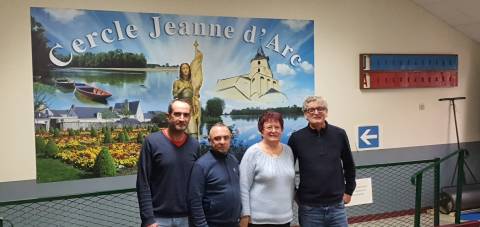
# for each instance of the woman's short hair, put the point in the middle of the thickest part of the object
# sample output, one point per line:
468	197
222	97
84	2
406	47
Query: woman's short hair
269	116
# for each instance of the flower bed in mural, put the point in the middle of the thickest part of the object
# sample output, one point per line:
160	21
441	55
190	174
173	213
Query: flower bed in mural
80	148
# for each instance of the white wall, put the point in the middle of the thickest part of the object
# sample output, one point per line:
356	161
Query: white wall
343	30
393	27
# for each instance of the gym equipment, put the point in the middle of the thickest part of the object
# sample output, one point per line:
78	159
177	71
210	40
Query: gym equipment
470	197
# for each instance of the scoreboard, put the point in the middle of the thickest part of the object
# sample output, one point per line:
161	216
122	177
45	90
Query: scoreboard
380	71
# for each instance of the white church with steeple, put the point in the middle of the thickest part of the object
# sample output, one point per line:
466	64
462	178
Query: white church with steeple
258	85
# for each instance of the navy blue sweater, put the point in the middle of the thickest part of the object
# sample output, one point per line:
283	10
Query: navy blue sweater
214	190
327	170
162	178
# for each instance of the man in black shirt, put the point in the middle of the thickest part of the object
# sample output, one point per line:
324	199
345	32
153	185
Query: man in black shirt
214	190
327	169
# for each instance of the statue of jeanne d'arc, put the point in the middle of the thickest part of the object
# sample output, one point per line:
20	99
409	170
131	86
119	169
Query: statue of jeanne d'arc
188	86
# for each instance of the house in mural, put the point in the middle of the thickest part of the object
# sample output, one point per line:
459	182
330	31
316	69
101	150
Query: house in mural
75	118
129	110
85	117
257	85
42	119
151	114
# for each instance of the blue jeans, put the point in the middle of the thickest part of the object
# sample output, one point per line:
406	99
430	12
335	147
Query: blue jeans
328	215
172	222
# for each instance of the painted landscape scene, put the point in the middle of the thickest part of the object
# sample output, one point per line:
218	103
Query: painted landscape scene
102	81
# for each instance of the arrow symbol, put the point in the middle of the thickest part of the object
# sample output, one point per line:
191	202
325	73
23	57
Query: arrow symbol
365	137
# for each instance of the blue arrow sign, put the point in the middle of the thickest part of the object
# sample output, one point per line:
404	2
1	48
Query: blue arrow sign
368	137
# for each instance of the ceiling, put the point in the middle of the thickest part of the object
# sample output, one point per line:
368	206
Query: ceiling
463	15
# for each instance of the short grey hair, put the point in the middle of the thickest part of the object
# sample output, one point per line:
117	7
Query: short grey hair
219	124
310	99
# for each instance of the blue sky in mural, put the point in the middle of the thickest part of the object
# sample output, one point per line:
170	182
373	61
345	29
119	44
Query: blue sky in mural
223	56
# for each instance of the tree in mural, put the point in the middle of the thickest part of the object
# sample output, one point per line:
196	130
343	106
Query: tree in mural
104	165
215	107
39	49
111	59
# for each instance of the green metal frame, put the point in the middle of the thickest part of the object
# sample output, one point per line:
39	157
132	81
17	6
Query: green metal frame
460	182
47	199
416	180
395	164
436	193
418	198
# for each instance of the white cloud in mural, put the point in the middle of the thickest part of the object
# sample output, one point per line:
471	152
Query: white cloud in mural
297	96
252	137
285	70
295	25
64	15
306	66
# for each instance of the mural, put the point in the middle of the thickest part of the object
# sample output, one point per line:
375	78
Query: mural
103	80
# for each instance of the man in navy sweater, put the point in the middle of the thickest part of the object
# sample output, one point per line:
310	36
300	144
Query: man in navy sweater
164	168
327	169
214	190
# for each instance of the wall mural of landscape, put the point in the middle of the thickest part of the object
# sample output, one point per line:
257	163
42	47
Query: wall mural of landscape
103	81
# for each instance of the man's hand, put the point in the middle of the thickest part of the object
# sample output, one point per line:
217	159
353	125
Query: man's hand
244	221
153	225
347	198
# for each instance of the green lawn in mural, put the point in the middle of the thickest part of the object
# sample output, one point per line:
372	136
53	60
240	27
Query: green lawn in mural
50	170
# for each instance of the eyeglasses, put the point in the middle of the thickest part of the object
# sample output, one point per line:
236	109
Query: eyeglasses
316	109
270	128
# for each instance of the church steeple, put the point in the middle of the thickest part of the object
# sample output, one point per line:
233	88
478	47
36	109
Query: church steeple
260	55
258	85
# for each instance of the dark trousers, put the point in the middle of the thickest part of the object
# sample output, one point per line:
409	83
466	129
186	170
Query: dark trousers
234	224
269	225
